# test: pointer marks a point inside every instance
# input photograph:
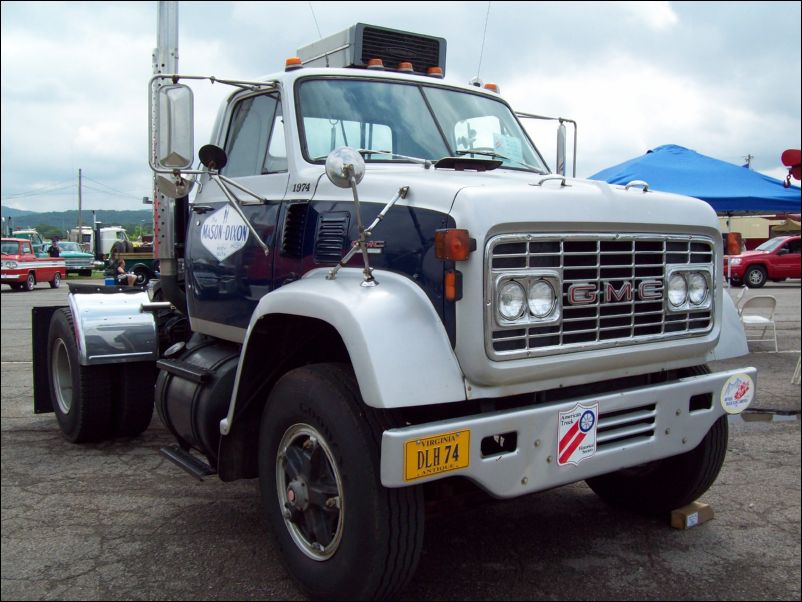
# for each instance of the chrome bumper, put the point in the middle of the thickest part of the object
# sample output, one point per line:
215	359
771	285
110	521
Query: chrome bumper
635	426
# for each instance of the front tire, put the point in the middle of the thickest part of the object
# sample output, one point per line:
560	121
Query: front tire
755	277
30	282
82	395
319	449
664	485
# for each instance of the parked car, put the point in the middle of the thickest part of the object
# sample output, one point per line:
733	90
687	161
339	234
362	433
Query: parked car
776	259
22	270
77	260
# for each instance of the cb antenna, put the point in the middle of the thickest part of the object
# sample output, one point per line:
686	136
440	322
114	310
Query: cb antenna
319	35
477	81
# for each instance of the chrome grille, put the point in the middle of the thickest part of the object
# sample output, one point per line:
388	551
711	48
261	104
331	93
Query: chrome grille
596	260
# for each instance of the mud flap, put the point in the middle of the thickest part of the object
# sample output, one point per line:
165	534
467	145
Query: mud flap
40	327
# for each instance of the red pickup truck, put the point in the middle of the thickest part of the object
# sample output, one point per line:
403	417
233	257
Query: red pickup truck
776	259
22	269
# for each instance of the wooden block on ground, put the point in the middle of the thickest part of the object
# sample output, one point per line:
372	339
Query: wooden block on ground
691	515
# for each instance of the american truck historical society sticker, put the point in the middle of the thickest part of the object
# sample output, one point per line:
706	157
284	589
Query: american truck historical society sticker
224	233
737	393
576	437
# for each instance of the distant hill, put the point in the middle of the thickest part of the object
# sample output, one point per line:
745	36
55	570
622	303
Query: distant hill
64	220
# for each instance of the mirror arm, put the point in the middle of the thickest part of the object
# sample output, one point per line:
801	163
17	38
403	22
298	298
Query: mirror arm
364	234
232	200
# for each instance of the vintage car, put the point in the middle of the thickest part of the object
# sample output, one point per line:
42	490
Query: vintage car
77	260
22	269
776	259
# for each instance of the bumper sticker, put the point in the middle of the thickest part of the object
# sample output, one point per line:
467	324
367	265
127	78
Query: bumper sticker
737	393
576	437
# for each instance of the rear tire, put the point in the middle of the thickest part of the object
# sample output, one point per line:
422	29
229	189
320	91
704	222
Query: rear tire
664	485
81	395
56	282
134	407
322	495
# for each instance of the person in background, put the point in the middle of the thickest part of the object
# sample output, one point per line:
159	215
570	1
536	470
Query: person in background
54	250
124	277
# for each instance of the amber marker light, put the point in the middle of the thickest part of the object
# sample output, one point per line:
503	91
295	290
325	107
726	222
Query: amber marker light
435	72
376	64
406	67
452	244
493	88
450	285
293	62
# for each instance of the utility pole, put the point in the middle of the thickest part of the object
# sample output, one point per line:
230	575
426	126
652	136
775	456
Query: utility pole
80	229
748	159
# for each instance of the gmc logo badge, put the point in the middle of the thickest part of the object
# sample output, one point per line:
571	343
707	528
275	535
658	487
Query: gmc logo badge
587	294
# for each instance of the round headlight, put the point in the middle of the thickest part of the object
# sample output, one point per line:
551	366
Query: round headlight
541	299
697	288
736	261
677	290
511	300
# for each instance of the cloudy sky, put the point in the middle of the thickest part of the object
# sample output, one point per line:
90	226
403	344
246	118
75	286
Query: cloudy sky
721	78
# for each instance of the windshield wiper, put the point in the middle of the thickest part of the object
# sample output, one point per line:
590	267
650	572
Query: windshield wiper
495	155
425	162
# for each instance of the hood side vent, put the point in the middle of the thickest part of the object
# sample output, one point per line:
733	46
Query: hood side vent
292	244
331	239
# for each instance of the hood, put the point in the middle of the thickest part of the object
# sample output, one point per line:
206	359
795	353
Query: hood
505	200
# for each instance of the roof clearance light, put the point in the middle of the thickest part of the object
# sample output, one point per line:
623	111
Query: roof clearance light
493	88
405	67
376	64
292	63
435	72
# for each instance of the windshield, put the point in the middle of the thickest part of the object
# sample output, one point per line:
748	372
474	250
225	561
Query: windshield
407	119
770	244
70	247
9	247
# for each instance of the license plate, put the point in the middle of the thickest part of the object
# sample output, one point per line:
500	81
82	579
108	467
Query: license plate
436	454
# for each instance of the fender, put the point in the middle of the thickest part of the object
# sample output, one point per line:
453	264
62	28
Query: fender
732	340
399	349
110	326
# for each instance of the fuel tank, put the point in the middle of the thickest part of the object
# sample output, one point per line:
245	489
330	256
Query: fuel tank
193	391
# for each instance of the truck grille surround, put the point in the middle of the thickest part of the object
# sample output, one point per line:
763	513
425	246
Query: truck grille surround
620	263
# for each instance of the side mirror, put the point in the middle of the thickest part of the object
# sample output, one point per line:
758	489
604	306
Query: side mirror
561	149
172	117
342	164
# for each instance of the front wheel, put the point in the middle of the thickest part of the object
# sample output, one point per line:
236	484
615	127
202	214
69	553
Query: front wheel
322	495
664	485
30	282
755	277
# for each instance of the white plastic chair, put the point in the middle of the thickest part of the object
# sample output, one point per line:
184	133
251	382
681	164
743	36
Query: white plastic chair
757	314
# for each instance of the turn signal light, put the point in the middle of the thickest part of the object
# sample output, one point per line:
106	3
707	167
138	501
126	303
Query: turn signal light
452	244
452	285
293	62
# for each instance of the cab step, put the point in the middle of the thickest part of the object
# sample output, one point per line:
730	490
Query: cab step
185	460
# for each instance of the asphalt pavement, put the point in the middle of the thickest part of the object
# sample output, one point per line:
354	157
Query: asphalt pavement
115	521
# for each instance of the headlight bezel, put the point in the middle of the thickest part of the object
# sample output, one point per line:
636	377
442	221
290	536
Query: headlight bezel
528	280
686	271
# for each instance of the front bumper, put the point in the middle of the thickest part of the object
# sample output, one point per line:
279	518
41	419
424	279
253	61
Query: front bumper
12	276
634	426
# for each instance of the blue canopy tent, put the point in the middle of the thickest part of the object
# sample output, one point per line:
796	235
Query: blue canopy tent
728	188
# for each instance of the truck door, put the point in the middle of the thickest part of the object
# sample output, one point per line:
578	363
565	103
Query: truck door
788	259
227	270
